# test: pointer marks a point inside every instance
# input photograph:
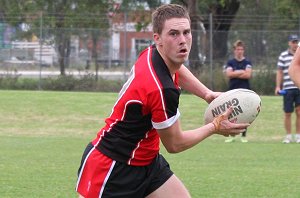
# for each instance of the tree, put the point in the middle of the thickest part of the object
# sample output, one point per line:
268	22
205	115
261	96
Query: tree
194	59
258	30
288	8
58	19
195	63
98	18
53	16
12	13
68	14
223	13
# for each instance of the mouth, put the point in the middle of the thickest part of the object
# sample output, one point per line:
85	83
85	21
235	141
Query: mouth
183	51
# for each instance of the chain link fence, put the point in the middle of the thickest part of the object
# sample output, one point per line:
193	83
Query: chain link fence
118	47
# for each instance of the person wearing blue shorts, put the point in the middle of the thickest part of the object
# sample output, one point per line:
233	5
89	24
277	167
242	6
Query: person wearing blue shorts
291	98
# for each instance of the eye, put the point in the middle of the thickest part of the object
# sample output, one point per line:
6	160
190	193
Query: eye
187	32
173	33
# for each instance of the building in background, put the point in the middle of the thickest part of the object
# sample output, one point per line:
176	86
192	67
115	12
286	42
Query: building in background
127	37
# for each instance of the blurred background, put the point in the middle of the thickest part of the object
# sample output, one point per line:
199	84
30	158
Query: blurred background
90	45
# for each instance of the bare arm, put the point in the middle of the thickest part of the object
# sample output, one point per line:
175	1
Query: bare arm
175	140
294	69
279	79
191	84
243	74
233	74
246	74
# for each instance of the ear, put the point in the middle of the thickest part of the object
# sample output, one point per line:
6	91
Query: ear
157	39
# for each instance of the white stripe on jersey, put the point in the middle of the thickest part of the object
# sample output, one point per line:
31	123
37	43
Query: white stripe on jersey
129	102
157	84
138	146
167	123
125	87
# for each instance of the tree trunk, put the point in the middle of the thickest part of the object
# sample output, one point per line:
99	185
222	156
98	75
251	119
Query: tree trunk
64	50
95	54
61	54
194	59
63	42
223	16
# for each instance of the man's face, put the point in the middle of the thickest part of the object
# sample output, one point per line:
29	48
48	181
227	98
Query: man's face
239	52
174	43
293	45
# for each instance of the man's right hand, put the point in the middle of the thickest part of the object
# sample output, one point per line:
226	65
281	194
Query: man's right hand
224	127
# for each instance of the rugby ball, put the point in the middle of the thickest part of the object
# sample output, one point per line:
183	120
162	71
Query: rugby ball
246	106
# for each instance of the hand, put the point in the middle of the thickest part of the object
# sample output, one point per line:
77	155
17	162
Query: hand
211	96
224	127
276	90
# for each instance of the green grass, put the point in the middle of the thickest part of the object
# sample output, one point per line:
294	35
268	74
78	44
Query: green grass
43	134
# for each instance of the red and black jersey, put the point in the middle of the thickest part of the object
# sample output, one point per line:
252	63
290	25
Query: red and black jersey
148	101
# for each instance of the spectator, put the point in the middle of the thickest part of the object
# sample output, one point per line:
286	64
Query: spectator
291	100
124	160
238	70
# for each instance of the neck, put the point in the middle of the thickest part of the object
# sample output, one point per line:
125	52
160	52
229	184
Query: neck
292	51
239	58
172	66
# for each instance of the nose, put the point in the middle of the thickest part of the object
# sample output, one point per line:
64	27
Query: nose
182	39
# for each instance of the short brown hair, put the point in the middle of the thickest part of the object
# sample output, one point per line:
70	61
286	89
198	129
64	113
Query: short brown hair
238	43
165	12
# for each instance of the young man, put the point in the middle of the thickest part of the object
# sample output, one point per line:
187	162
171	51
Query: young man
238	70
291	100
124	160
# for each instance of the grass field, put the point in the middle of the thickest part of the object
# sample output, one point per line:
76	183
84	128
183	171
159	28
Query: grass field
43	134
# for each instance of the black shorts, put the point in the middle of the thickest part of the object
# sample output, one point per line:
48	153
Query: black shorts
100	176
291	100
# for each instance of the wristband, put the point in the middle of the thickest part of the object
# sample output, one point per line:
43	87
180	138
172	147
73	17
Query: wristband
216	122
215	125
